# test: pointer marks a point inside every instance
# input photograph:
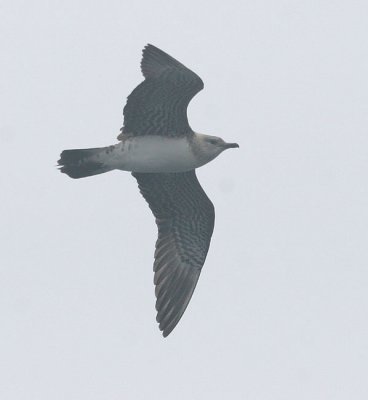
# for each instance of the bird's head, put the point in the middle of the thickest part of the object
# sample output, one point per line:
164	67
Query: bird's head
212	146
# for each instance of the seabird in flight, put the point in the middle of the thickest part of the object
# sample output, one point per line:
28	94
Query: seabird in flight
161	150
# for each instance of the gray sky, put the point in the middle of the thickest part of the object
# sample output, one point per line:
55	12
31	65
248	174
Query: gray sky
280	311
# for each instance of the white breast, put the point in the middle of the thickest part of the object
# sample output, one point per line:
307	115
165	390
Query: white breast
153	154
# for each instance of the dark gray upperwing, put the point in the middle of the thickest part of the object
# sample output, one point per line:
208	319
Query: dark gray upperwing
158	106
185	219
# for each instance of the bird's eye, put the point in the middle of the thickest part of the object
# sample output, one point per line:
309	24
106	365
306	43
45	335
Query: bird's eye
213	141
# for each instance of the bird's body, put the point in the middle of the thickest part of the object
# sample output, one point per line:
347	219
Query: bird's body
153	154
158	146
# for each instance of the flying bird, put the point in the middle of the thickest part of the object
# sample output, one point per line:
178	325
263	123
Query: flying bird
160	149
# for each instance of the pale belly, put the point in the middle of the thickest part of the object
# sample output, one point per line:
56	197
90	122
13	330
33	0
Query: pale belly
153	154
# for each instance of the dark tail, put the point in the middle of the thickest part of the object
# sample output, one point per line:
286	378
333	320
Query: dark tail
79	163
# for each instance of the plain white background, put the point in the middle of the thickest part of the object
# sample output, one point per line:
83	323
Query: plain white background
280	311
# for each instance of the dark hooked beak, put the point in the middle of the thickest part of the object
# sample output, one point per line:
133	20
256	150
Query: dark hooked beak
231	145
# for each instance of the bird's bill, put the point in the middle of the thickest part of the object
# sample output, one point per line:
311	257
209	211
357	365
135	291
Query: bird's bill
231	145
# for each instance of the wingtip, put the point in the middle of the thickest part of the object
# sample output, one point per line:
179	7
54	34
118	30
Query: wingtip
149	62
166	332
166	327
147	46
154	61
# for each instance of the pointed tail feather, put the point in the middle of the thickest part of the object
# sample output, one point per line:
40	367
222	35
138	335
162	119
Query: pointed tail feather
80	163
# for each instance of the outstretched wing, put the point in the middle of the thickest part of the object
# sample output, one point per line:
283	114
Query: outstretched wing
185	219
158	106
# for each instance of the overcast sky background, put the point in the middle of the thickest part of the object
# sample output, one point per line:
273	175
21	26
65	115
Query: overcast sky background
280	311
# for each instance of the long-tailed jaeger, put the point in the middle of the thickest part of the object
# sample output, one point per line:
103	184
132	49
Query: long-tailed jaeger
161	150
